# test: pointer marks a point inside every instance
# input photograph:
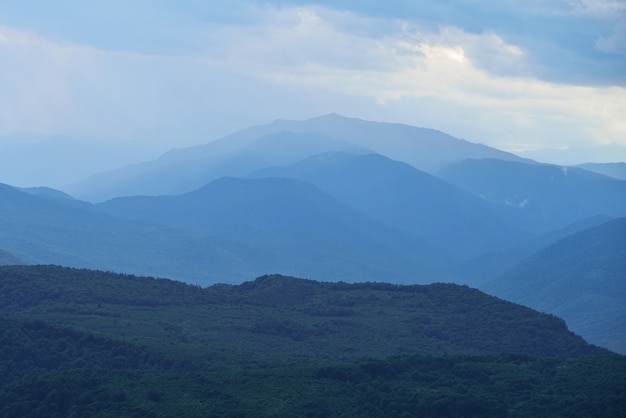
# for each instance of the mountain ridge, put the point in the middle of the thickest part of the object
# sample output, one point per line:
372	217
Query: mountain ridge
408	199
554	196
580	278
184	169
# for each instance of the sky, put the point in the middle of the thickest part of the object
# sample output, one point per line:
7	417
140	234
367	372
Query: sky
89	85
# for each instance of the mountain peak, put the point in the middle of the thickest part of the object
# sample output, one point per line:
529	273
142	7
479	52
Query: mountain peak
251	149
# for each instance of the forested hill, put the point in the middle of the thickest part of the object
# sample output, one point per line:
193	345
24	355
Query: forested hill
284	315
88	343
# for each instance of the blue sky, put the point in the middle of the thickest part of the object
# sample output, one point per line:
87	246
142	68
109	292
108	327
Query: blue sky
542	78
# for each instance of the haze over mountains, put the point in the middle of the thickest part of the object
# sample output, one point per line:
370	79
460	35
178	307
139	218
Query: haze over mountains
408	199
280	142
330	198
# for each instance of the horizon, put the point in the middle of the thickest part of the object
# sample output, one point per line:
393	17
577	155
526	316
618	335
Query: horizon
94	87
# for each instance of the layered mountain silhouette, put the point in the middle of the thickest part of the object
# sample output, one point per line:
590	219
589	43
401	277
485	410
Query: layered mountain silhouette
40	229
408	199
330	198
299	227
280	142
225	231
581	278
486	267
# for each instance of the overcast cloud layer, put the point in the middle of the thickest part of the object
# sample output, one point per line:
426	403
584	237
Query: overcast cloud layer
517	75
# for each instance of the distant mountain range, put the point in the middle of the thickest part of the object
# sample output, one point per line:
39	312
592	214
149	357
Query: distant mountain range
549	197
330	198
410	200
227	231
295	228
280	142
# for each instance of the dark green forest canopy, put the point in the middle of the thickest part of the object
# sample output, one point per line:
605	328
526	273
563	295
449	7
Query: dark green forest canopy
87	343
407	386
284	315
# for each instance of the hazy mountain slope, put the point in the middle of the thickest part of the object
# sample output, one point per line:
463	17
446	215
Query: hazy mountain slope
280	142
482	269
27	159
228	231
46	191
44	230
615	170
581	278
185	170
310	232
553	196
426	149
408	199
6	258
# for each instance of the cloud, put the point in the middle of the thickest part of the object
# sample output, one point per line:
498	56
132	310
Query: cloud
458	73
602	9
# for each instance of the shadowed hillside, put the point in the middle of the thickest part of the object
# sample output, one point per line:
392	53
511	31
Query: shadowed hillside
581	278
227	231
410	200
300	229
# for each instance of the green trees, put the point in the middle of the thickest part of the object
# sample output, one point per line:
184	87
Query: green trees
82	343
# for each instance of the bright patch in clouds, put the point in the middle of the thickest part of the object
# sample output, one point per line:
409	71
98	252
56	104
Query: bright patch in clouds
478	74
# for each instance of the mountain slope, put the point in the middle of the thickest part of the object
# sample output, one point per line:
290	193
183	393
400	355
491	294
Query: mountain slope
408	199
486	267
228	231
615	170
426	149
580	278
551	196
184	170
6	258
280	142
308	232
49	230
